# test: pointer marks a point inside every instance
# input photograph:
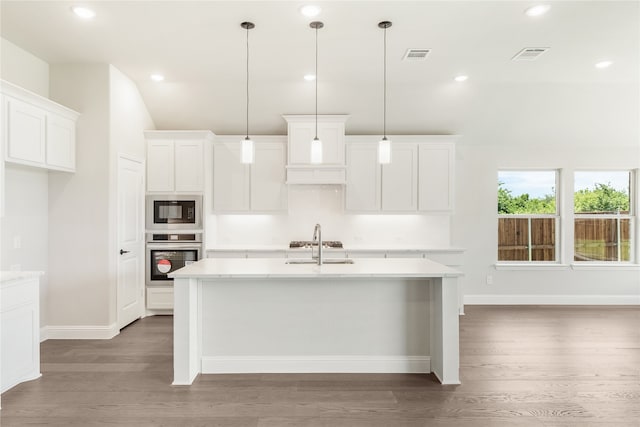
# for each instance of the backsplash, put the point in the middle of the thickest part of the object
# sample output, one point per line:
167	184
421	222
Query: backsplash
323	204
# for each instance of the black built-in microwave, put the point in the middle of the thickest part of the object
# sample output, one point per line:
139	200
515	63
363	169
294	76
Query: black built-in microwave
173	212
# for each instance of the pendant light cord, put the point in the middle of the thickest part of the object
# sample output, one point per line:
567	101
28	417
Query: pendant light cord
247	82
316	82
384	111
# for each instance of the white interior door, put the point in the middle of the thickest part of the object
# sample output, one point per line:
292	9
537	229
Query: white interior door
130	240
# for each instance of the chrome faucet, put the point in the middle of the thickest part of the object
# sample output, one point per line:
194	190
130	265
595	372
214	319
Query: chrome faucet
317	235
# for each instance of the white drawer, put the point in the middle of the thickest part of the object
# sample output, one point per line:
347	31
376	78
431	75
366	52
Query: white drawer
160	298
18	293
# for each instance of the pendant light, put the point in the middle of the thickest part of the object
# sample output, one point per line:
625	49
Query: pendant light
384	146
247	149
316	144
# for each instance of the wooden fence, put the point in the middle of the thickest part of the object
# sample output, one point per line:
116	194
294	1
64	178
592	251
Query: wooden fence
596	239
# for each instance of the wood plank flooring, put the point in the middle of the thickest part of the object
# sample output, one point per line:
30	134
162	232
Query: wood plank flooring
520	366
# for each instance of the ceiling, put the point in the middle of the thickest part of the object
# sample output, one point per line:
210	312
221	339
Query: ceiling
200	48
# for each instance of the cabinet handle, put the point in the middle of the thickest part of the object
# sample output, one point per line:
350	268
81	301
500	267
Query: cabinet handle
123	252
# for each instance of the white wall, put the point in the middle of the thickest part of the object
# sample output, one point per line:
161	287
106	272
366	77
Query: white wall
23	68
79	204
26	189
82	206
128	119
566	127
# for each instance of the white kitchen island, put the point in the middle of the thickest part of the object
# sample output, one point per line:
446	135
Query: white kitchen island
263	315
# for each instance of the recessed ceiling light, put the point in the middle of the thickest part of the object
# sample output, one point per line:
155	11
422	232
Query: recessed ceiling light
603	64
461	78
309	77
156	77
537	10
310	10
83	12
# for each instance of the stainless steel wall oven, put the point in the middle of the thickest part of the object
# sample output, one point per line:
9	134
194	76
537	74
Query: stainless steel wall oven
167	252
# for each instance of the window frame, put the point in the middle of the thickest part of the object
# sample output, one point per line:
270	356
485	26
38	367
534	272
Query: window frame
631	216
556	216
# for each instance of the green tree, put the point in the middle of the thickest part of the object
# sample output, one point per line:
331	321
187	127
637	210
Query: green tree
602	198
524	204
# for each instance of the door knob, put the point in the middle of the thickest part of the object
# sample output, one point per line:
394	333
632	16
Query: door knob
123	252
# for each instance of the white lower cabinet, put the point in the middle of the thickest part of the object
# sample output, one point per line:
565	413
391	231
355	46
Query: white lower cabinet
258	187
19	330
160	298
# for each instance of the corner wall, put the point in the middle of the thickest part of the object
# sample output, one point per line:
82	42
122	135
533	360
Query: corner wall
26	189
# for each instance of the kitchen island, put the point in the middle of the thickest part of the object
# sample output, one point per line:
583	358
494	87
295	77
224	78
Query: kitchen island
264	315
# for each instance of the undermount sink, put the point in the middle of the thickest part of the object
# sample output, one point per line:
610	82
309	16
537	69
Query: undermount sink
315	261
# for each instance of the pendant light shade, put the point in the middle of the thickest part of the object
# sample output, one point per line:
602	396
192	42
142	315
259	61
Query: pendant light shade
247	148
316	144
384	146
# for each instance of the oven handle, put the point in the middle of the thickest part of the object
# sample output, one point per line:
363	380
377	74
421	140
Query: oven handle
170	246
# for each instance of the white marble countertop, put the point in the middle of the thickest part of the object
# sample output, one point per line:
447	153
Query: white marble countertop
389	248
9	276
277	268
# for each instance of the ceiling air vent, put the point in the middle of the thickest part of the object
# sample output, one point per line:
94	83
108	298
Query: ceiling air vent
416	54
530	53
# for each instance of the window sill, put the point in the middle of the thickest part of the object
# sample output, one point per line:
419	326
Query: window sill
530	266
605	266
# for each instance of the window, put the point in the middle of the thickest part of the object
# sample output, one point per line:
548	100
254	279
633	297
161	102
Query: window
603	218
527	216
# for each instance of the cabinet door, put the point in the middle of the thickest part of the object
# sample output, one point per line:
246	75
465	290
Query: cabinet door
331	135
230	179
26	126
160	165
268	188
399	179
61	142
189	166
300	136
363	178
435	182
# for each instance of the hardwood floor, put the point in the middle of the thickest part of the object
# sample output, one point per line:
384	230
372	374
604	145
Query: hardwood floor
520	366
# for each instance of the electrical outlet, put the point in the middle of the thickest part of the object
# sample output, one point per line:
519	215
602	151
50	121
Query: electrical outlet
17	242
489	279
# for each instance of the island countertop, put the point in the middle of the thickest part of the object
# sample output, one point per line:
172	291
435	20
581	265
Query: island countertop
212	268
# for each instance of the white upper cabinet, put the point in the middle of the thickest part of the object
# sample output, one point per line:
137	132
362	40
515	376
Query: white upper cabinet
189	166
61	142
26	132
176	161
160	165
436	174
37	131
400	179
418	179
301	129
363	178
258	187
231	183
268	188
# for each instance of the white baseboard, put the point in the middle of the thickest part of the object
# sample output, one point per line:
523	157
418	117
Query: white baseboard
552	299
80	332
316	364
